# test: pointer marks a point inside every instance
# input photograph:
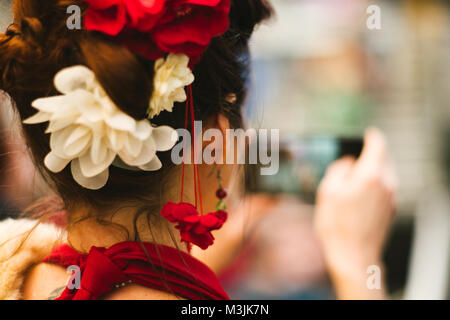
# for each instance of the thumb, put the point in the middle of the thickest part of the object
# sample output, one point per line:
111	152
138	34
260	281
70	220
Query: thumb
374	153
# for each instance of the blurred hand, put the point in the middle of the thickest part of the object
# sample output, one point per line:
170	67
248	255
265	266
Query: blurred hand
354	210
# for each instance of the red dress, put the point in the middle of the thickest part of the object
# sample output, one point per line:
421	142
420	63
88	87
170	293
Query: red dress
164	268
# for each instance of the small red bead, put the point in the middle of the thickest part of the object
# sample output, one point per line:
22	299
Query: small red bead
221	193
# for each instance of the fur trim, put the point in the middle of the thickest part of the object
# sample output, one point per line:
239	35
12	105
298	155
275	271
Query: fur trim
20	250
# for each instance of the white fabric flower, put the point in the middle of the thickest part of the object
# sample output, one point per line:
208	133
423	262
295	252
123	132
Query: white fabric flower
89	131
172	75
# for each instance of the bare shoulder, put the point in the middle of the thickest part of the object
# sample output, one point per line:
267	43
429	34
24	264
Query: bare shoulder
44	281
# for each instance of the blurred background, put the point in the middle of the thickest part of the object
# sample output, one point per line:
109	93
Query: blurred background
321	76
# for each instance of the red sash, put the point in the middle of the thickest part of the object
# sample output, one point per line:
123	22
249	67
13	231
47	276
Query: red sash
165	269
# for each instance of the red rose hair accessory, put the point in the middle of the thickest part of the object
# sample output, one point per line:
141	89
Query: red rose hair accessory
194	228
152	28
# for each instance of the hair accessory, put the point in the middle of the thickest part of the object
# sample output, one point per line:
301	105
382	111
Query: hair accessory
172	75
89	131
195	228
153	28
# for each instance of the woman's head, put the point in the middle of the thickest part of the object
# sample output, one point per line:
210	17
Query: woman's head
38	44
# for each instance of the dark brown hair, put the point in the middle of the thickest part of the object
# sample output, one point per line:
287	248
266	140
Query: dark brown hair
38	44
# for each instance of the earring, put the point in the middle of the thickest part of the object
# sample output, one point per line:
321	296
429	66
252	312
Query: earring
221	193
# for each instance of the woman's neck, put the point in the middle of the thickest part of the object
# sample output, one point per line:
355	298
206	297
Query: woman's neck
88	230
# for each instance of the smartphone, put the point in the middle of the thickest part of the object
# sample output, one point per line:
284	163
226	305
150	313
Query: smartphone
303	163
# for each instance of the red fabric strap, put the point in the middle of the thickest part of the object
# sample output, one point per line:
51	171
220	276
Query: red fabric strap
165	269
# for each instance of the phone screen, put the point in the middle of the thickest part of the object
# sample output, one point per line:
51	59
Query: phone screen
303	163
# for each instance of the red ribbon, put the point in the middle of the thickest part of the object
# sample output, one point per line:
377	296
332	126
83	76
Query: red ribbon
165	269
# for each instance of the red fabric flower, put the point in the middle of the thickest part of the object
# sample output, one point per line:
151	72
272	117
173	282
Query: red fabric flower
155	27
194	228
